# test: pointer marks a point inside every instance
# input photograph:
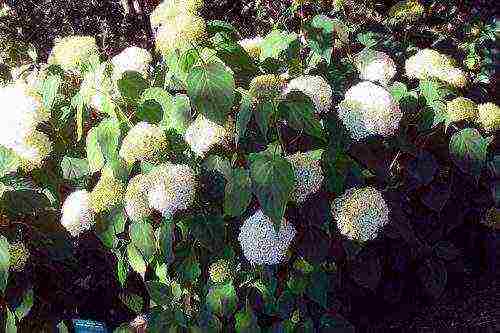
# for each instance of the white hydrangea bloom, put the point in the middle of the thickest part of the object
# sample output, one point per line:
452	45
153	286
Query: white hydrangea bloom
136	197
376	66
428	63
203	134
77	217
308	174
253	46
34	150
21	112
143	142
489	117
182	32
260	242
173	188
72	52
167	10
360	213
369	109
316	88
131	59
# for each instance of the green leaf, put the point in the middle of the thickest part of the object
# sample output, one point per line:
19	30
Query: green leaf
49	91
298	110
133	301
244	114
165	240
398	91
131	85
189	270
74	168
25	306
208	230
143	238
4	262
368	39
263	113
219	164
10	322
468	150
216	26
136	260
431	90
9	162
152	115
211	90
121	270
159	292
78	103
234	55
62	328
238	193
222	299
275	43
102	144
273	180
179	117
246	321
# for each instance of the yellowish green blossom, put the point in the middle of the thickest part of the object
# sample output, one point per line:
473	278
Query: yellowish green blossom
108	192
308	175
136	198
489	117
73	52
266	86
19	255
219	271
143	142
182	32
461	108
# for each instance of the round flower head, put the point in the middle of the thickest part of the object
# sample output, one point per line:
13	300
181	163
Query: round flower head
253	46
203	134
369	109
36	148
461	108
21	112
489	117
143	142
376	66
182	32
173	188
492	217
131	59
260	242
107	193
360	213
308	175
136	198
316	88
219	271
77	217
405	11
71	53
266	86
19	255
428	64
169	9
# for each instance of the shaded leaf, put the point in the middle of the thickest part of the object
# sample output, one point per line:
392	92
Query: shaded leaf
238	193
468	150
4	262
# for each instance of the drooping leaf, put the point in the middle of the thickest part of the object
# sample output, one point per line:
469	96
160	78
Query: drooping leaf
49	89
74	168
222	299
211	90
244	114
468	150
102	144
25	306
165	240
263	113
136	260
131	85
298	110
275	43
142	236
273	180
238	193
4	262
9	162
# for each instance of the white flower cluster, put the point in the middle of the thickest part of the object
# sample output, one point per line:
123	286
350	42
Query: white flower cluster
428	63
177	25
72	52
22	111
203	134
316	88
253	46
489	117
360	213
260	242
376	66
143	142
308	174
131	59
368	109
77	217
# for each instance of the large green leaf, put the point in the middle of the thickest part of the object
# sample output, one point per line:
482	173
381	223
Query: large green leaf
49	89
298	110
468	150
275	43
273	180
74	168
136	260
208	230
9	162
102	144
25	306
131	86
211	87
159	292
244	114
222	299
142	236
263	114
165	240
162	98
238	193
4	262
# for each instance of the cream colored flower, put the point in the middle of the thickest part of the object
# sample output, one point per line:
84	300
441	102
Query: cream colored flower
316	88
253	46
19	255
360	213
131	59
219	271
35	149
182	32
173	188
203	134
266	86
428	63
108	192
260	242
143	142
169	9
73	52
489	117
308	175
77	217
136	197
369	109
461	108
376	66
